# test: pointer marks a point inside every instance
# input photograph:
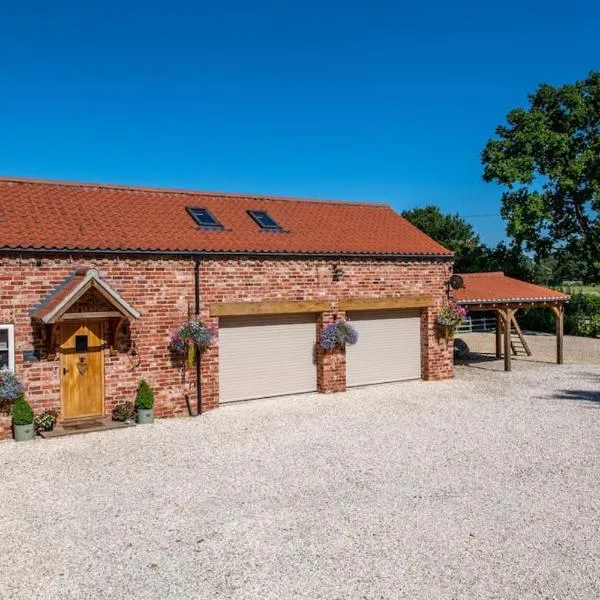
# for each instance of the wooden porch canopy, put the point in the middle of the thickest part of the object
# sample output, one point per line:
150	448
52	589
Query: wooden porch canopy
82	296
504	295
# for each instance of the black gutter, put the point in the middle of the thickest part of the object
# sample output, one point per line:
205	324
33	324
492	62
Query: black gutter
198	353
203	253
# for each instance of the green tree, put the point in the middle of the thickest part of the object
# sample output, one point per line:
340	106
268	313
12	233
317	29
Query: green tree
547	157
452	231
574	263
508	258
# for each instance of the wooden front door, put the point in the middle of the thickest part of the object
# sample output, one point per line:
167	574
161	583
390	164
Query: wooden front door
81	370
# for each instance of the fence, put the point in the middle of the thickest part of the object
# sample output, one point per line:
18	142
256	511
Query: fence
471	324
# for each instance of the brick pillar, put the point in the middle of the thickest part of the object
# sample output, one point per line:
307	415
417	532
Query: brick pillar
437	353
209	367
331	366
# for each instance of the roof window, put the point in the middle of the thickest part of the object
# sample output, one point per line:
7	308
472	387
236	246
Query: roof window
203	217
264	220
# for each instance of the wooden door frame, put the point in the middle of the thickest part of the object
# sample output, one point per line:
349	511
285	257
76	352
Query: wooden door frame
102	414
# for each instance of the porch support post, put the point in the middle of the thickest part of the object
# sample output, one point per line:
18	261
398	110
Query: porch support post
559	314
498	335
507	316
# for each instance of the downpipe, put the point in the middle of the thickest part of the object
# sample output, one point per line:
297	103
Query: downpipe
198	353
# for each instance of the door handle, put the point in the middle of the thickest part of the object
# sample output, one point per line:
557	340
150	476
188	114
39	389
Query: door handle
65	371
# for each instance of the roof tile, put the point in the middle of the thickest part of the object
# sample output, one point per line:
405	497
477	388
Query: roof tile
55	215
481	288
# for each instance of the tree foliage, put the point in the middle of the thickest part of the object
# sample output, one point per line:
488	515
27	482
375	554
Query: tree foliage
452	231
471	255
547	157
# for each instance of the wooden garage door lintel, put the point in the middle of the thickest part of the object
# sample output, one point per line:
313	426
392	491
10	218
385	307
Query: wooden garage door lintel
386	302
235	309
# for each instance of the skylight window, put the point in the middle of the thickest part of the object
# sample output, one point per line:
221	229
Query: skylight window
203	217
264	220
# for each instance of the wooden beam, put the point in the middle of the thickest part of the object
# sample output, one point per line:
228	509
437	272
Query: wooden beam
498	335
346	304
114	334
507	318
77	316
232	309
517	328
559	314
52	340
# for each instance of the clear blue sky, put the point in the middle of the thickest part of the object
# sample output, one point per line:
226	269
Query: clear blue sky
384	101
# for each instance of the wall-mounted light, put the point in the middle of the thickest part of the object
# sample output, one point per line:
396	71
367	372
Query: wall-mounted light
338	273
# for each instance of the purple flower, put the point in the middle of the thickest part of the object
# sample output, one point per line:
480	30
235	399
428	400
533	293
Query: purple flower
194	332
451	316
338	333
10	386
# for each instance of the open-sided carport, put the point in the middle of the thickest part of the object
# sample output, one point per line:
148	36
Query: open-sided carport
504	295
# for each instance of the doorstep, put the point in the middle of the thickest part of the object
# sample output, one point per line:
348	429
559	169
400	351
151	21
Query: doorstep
85	427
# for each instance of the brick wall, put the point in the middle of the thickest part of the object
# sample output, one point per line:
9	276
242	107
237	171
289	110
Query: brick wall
162	289
253	280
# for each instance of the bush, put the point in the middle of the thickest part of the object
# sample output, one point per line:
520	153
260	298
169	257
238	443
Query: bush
537	319
582	317
22	413
123	412
145	396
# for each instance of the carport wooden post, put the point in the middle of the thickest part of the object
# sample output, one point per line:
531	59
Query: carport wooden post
559	314
507	315
498	335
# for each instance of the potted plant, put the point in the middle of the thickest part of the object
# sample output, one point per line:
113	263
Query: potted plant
45	421
144	403
449	318
338	334
22	420
123	412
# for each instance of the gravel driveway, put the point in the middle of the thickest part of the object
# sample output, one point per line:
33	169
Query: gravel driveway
486	486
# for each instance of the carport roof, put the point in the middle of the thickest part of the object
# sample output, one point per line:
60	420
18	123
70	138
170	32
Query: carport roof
496	288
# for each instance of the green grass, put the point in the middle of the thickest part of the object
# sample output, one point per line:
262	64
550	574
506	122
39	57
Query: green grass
586	289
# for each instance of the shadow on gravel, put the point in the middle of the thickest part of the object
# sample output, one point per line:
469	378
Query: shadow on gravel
477	360
586	395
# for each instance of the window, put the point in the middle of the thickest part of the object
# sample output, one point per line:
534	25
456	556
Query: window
203	217
7	347
264	220
81	343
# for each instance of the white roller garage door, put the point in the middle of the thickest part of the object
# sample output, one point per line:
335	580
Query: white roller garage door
388	348
263	356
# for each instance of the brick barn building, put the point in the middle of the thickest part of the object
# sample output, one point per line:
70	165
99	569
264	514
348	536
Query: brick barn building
94	279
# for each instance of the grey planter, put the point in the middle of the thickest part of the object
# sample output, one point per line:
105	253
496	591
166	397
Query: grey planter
145	416
24	433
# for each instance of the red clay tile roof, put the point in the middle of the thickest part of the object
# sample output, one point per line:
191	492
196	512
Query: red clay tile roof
71	216
481	288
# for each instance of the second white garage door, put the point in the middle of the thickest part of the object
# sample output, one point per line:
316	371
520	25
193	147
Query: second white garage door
388	347
263	356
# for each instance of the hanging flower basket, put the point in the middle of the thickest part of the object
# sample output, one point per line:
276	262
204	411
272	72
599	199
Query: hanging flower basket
10	387
449	318
191	337
338	334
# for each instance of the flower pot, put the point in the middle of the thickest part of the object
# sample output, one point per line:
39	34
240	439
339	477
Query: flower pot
145	416
24	433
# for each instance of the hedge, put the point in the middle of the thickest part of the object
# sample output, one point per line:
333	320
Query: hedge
582	317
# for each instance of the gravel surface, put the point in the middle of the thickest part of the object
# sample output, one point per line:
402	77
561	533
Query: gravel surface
486	486
577	350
